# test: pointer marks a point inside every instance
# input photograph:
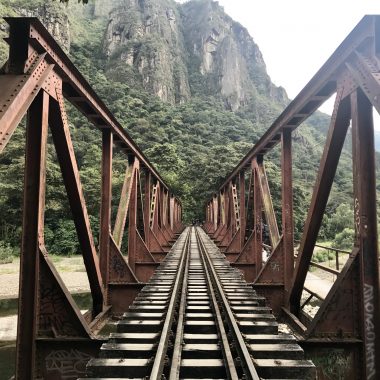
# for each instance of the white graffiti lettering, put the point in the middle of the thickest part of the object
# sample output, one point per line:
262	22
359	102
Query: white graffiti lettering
370	335
68	365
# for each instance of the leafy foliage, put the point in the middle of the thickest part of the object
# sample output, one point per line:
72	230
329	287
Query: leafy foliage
7	253
193	145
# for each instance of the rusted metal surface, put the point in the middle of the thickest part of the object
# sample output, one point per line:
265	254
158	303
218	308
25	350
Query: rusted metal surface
34	202
37	79
350	314
366	234
65	153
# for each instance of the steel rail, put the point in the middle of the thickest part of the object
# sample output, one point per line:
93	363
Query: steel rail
231	368
177	351
245	357
159	359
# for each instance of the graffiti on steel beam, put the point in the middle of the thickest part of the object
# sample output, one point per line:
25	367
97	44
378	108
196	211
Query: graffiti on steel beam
275	267
68	365
53	314
370	335
118	266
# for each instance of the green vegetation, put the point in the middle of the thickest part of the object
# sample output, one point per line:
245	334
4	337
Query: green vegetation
193	145
7	253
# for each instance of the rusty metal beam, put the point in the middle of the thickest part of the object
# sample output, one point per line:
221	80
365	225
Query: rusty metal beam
17	94
267	202
334	143
314	94
122	211
257	219
366	238
70	173
75	87
32	230
105	206
242	211
287	209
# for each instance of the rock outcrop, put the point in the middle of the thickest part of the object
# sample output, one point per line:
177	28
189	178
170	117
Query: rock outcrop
172	50
146	35
190	48
226	55
55	19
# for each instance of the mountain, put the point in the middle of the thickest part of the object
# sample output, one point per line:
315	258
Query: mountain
190	86
177	51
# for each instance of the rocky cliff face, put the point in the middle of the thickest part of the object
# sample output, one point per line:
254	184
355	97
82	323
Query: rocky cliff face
146	35
55	19
226	55
173	50
53	15
183	49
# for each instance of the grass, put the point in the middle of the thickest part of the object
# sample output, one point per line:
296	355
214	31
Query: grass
68	264
62	264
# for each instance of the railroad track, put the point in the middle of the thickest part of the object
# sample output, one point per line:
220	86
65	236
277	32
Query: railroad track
198	319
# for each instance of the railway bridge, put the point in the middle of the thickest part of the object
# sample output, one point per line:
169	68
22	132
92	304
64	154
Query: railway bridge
177	302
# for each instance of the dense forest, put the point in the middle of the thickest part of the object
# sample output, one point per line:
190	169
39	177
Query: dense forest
194	136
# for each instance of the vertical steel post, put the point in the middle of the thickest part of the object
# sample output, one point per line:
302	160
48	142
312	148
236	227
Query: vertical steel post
242	208
287	209
132	226
171	211
215	213
105	207
366	228
32	233
147	205
223	207
257	218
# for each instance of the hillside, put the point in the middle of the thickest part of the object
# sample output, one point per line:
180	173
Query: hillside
190	86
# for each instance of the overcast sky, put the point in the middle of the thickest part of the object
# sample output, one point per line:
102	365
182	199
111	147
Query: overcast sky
297	36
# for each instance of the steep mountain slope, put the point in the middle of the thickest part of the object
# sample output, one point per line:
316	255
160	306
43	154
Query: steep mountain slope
145	37
176	51
190	86
223	56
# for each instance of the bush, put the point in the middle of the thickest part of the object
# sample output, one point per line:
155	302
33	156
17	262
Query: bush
344	239
62	239
322	255
7	253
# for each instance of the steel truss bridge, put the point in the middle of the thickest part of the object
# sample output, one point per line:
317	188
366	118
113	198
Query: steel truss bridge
191	302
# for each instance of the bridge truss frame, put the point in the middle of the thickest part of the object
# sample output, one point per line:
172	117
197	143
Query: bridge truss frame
36	80
349	317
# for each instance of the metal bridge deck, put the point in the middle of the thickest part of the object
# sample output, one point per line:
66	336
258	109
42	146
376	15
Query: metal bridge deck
198	318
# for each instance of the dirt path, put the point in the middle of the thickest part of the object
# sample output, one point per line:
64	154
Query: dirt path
71	270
